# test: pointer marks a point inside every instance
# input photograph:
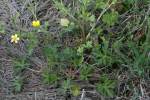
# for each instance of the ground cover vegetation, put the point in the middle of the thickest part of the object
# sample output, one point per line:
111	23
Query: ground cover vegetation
80	47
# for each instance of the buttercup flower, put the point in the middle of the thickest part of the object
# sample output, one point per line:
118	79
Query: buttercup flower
36	23
64	22
15	38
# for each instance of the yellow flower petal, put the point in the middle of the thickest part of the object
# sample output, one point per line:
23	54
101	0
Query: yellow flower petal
18	39
15	38
36	23
15	35
12	36
12	40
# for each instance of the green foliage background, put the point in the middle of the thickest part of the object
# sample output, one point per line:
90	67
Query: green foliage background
104	40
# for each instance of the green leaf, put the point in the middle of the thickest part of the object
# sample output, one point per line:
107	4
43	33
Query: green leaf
80	50
61	7
114	1
32	42
110	18
99	31
100	4
2	28
129	1
17	84
85	72
49	78
66	84
106	86
51	54
92	18
88	45
78	60
67	54
20	64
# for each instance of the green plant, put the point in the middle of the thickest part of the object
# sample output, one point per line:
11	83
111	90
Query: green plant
51	54
60	6
49	77
65	86
69	86
67	56
106	86
101	4
76	40
103	54
20	64
32	42
85	72
2	28
110	18
17	83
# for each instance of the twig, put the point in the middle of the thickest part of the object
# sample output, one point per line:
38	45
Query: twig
142	91
33	70
3	59
35	95
83	94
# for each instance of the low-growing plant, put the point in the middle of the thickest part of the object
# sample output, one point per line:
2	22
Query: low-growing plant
49	77
91	36
106	86
103	54
69	86
85	72
51	54
65	86
110	18
17	84
32	42
20	65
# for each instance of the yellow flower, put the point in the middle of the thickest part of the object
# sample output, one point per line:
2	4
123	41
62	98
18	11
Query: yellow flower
64	22
36	23
15	38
